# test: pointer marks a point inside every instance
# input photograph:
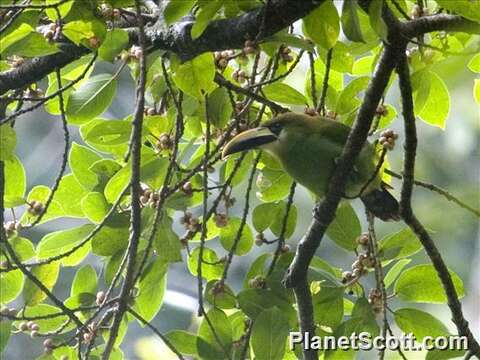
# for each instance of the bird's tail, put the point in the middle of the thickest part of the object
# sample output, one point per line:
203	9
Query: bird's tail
382	204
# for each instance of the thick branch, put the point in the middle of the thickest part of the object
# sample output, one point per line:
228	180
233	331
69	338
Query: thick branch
219	35
231	33
439	22
39	67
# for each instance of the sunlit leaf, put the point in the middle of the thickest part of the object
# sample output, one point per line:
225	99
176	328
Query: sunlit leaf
325	32
91	99
195	77
422	284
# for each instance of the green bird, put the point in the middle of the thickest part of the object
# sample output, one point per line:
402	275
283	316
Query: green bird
308	148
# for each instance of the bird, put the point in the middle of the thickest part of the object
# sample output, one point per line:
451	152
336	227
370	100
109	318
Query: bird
308	148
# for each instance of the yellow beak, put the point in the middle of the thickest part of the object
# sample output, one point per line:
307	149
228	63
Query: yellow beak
248	140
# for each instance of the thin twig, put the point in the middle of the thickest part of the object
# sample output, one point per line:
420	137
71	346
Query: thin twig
323	96
282	76
281	238
66	147
135	213
438	190
313	79
53	95
246	209
378	276
157	332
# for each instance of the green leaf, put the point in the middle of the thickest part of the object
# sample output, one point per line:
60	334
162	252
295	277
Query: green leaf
467	8
67	199
422	284
345	228
111	136
228	235
5	330
59	242
350	22
47	275
80	159
11	284
176	9
63	9
20	32
437	107
323	32
273	185
277	223
8	140
269	334
254	301
399	245
113	237
34	44
394	271
207	12
85	281
363	65
95	207
213	345
431	98
328	306
242	171
166	241
220	295
23	247
376	19
49	324
348	101
419	323
284	93
91	99
211	267
262	216
256	268
474	63
184	342
195	77
79	31
219	107
476	91
15	182
151	288
115	41
342	59
362	311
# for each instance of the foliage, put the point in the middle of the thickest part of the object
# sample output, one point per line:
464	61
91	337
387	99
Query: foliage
187	194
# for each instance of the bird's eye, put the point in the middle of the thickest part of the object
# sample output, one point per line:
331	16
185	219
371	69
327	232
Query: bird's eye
276	128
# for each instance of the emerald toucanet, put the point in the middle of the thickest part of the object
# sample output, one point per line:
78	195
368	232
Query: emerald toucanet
308	148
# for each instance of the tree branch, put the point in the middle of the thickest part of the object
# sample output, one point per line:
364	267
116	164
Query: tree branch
324	213
135	215
406	205
217	36
439	22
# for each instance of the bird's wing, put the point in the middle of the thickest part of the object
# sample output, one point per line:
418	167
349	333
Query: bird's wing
334	131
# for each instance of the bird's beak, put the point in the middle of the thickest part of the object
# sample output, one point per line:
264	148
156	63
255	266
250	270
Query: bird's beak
248	140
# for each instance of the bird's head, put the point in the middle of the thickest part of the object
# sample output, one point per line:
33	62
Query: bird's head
270	135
